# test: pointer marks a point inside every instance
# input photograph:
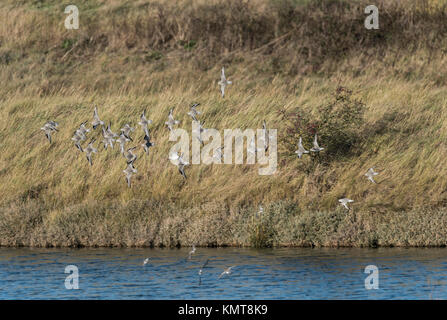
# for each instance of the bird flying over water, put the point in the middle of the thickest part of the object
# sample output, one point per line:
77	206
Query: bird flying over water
145	261
96	121
198	131
201	271
344	202
192	252
223	82
316	147
265	136
370	174
179	162
301	149
226	271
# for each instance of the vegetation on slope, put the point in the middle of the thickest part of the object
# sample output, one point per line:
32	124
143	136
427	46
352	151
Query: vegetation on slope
285	58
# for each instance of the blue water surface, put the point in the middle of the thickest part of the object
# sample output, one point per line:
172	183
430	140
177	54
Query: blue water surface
289	273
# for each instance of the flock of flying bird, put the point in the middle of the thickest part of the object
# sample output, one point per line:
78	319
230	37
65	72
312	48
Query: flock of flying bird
370	174
227	271
109	137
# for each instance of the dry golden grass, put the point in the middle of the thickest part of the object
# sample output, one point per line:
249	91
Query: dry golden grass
280	55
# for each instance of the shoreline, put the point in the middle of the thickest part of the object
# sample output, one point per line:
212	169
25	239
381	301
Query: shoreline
145	224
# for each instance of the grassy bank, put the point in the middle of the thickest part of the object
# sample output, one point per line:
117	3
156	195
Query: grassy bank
285	58
149	224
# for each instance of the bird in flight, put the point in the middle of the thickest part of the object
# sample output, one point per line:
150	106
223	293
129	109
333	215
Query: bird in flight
192	252
344	202
171	121
77	139
226	271
126	130
201	271
147	144
223	82
179	162
129	171
109	136
301	149
316	147
198	132
96	121
370	174
193	112
49	127
89	150
144	122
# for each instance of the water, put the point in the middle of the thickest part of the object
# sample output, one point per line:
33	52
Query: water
298	273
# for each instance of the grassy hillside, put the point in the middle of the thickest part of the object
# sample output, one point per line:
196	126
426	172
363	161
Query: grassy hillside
285	58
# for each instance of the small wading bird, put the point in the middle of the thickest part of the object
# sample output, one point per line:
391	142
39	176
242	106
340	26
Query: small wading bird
179	162
145	261
226	271
301	149
370	174
223	82
108	140
192	252
260	212
201	271
96	121
171	121
194	113
122	141
265	136
147	144
48	128
109	136
144	122
344	202
316	147
126	130
77	139
130	156
198	131
110	132
89	150
82	130
129	171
